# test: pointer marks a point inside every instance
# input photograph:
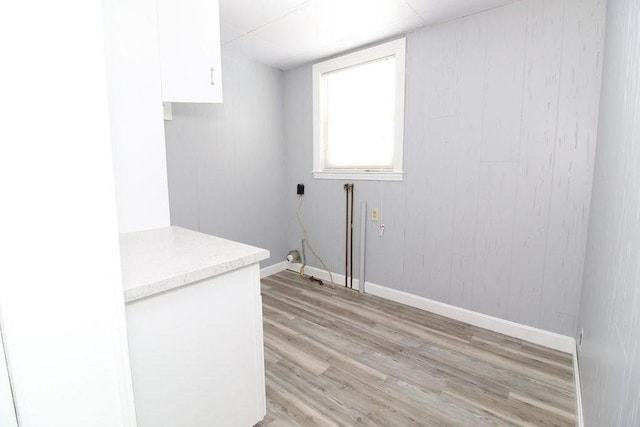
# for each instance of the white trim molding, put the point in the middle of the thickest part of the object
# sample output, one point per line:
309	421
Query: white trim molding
530	334
359	175
516	330
273	269
576	377
394	172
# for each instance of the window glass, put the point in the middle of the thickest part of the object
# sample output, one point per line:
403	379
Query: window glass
359	115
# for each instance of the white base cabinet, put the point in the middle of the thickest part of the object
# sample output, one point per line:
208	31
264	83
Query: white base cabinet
197	356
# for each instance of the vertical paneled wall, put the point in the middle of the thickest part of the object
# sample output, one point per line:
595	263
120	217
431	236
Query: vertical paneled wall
501	118
226	161
610	308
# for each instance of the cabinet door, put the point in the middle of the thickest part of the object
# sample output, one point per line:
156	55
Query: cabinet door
197	356
189	38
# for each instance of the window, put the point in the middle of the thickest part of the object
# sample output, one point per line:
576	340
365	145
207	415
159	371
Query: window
358	108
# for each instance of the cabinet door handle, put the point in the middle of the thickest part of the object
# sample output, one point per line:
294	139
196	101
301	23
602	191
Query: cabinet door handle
212	81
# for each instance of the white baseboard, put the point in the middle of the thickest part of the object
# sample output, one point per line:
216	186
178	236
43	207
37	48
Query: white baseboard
530	334
516	330
576	376
273	269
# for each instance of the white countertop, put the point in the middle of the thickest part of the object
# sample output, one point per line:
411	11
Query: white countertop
155	261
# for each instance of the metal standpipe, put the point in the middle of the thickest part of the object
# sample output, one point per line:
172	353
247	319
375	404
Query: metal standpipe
363	247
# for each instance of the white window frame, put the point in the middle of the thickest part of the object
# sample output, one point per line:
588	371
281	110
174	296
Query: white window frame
395	48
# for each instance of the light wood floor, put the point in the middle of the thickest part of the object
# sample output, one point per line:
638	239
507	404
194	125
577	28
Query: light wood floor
335	357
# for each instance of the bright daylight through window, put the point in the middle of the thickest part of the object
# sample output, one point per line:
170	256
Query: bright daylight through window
359	114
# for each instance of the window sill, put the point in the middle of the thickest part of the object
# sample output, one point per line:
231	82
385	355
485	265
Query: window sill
359	175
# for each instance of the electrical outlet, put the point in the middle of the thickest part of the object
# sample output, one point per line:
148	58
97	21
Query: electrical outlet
375	214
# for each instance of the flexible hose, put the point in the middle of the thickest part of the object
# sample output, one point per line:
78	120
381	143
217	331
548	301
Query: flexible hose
305	240
304	258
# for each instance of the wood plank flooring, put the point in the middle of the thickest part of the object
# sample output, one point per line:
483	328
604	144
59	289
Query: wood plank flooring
337	358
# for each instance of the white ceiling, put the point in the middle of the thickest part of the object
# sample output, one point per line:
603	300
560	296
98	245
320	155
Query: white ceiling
289	33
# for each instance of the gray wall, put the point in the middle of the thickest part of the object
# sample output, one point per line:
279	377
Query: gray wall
610	308
225	162
501	115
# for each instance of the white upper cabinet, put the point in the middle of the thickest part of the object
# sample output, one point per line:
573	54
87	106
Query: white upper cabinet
189	38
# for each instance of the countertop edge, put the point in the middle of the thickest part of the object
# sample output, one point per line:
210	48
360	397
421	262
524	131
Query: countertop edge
187	278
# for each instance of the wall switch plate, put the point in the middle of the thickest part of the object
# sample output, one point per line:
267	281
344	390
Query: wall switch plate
375	214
